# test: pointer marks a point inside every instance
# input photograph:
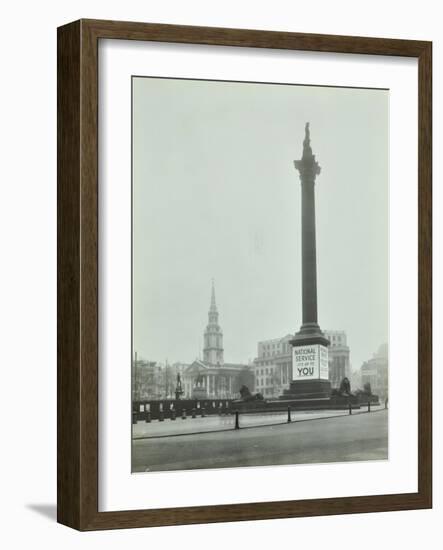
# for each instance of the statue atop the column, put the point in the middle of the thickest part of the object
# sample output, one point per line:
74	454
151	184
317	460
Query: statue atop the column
307	165
307	151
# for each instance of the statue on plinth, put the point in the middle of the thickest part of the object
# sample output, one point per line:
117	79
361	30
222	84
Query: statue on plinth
178	389
199	390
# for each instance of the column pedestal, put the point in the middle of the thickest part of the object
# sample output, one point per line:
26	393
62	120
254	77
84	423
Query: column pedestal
310	371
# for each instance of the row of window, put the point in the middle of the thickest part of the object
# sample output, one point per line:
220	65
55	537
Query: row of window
262	381
263	370
266	362
336	339
276	346
285	347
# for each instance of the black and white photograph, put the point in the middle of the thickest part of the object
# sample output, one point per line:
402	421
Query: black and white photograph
219	265
260	268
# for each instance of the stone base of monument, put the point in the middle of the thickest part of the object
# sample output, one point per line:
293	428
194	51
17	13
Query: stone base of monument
310	369
304	403
199	393
309	395
308	389
333	402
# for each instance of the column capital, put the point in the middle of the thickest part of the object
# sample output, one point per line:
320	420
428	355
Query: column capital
307	166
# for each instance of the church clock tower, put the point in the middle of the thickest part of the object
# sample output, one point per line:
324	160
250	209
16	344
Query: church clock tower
213	337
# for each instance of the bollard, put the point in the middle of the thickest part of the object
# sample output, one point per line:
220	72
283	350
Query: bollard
350	408
161	416
147	416
184	414
369	406
289	414
173	414
134	418
203	412
237	424
193	413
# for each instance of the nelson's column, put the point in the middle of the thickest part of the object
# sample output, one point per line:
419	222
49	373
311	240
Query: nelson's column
310	371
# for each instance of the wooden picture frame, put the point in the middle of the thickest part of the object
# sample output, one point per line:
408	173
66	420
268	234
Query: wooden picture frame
77	455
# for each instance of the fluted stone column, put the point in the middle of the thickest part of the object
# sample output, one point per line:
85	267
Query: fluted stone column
309	343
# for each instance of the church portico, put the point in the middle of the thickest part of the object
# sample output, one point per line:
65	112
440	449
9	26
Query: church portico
204	381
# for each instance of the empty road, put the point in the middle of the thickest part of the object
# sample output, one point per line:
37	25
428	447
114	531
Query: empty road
346	438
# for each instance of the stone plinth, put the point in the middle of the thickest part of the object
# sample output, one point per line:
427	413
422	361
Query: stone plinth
308	389
199	393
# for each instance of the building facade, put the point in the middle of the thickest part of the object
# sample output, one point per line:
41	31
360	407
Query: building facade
273	364
152	380
147	380
202	380
211	377
375	372
338	357
355	380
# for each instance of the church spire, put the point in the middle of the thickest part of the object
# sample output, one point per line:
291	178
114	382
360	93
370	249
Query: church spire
213	336
213	304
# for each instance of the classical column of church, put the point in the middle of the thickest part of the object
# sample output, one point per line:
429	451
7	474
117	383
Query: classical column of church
213	336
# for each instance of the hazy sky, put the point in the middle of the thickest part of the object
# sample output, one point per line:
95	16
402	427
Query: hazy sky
216	195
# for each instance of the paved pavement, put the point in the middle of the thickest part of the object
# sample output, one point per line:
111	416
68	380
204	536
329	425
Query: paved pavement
338	439
220	423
